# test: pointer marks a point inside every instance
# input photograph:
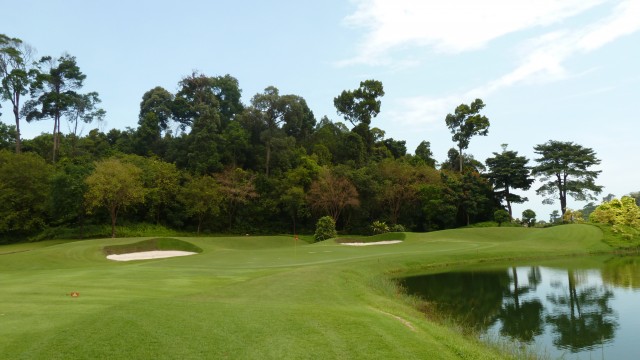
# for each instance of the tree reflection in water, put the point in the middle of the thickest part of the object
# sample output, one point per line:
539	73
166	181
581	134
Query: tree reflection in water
575	316
521	320
581	318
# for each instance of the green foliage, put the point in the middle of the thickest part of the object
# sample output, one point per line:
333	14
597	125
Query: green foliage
201	198
501	216
379	227
360	105
508	171
397	228
24	190
424	153
465	123
618	212
572	217
529	218
563	167
114	185
55	96
325	229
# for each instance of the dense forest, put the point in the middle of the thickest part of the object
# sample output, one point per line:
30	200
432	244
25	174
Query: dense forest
200	160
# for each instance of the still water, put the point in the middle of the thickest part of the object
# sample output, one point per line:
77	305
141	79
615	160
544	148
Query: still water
573	311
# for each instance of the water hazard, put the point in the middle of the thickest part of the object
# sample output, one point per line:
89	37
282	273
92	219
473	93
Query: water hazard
573	311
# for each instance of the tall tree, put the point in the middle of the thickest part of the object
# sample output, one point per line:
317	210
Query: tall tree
55	94
114	185
564	168
156	113
16	74
465	123
424	153
280	116
84	110
508	171
196	100
360	105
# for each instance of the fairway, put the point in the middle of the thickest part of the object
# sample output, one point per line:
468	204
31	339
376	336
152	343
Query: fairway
249	297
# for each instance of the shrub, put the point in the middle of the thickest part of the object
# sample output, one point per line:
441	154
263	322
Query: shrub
397	228
379	227
501	216
529	218
325	229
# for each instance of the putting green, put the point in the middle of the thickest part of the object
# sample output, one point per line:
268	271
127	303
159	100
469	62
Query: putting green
248	297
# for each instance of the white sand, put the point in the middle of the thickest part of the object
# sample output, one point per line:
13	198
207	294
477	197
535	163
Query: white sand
146	255
373	243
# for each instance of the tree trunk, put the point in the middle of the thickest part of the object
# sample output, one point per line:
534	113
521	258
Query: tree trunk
16	114
114	214
460	156
268	157
506	198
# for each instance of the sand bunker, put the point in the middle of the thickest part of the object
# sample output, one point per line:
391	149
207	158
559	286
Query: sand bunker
373	243
146	255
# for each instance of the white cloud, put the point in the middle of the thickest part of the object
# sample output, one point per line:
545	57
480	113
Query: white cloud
542	60
449	26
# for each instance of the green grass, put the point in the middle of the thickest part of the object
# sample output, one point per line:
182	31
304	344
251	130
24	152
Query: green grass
251	297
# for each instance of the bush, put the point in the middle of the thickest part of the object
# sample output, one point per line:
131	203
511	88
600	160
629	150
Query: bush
501	216
379	227
397	228
325	229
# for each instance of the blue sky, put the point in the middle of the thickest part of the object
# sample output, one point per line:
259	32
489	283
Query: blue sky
563	70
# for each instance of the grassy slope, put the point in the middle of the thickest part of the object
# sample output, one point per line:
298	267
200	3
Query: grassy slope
249	297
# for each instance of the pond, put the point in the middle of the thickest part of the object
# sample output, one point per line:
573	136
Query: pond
572	311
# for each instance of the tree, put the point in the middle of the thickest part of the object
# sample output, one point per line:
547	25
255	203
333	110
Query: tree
453	162
68	187
529	218
564	169
332	194
554	217
280	117
501	216
114	185
84	109
400	186
7	135
360	105
161	181
156	112
465	123
55	95
423	152
16	74
24	192
509	171
237	188
201	198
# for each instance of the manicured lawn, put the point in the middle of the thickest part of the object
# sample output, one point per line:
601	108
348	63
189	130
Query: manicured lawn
249	297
